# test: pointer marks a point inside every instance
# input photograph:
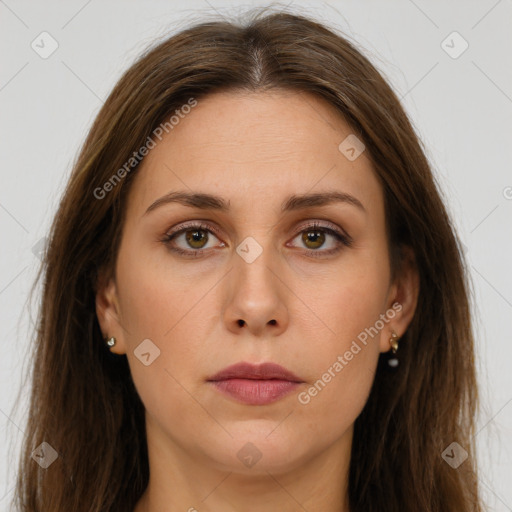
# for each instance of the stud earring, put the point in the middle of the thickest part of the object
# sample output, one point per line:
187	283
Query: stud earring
110	341
393	341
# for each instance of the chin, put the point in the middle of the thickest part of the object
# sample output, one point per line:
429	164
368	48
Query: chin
258	448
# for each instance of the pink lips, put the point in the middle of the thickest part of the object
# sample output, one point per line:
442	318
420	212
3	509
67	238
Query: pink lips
255	384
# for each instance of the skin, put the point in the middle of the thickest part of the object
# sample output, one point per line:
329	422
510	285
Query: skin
254	150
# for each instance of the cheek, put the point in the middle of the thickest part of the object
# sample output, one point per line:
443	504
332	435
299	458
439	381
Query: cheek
152	294
350	299
174	311
342	364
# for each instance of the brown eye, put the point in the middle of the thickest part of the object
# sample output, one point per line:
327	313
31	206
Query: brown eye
315	238
196	238
192	240
320	240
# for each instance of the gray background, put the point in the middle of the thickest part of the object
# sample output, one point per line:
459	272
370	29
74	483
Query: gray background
460	106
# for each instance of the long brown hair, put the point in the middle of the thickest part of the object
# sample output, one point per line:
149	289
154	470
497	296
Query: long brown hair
83	402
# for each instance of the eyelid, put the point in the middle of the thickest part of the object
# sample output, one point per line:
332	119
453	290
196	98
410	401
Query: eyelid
199	224
308	225
323	224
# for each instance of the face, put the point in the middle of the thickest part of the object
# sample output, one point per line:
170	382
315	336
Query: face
259	274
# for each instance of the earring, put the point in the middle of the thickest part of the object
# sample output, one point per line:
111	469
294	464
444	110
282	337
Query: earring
110	341
393	341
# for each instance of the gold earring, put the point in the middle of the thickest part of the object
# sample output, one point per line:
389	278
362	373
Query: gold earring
110	341
393	341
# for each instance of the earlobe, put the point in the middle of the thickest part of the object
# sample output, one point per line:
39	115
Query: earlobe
403	297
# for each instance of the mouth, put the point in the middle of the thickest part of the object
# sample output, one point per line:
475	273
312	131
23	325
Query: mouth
255	384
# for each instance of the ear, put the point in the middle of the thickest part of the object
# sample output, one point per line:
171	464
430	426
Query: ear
402	298
108	313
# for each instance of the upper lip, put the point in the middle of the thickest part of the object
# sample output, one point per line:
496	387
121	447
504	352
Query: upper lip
263	371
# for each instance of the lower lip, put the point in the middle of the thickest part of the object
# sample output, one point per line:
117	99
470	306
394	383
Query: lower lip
255	392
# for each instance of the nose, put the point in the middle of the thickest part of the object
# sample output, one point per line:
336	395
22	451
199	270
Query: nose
257	296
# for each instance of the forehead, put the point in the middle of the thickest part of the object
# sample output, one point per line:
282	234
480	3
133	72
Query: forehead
256	146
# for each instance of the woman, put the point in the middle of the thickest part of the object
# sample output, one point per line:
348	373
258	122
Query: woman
253	297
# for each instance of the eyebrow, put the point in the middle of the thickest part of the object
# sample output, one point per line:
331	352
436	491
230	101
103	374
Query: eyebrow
292	203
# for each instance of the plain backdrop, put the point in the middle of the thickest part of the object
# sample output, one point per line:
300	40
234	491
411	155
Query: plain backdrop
458	98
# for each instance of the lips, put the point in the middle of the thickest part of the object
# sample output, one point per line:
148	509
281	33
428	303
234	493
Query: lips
255	384
264	371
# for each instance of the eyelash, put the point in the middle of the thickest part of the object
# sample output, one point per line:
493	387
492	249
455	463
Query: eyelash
342	238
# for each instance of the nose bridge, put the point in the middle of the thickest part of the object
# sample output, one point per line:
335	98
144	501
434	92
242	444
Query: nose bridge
257	297
255	262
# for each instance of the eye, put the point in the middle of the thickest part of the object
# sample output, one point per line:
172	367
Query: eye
315	236
191	240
